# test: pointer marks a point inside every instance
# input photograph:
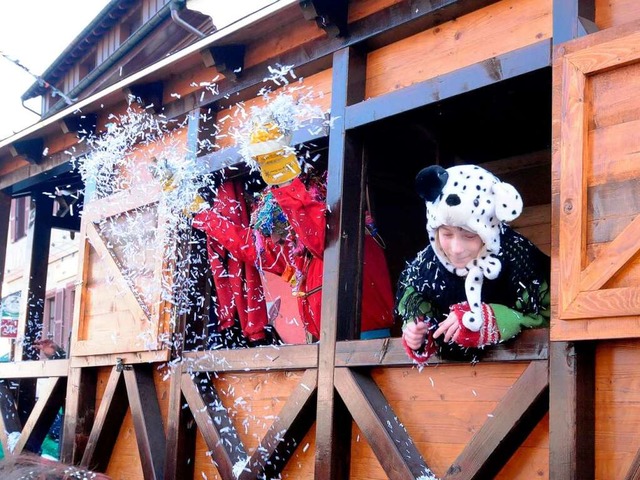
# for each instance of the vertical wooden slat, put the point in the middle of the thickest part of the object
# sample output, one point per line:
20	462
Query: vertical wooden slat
572	410
147	419
106	427
5	216
342	264
79	413
32	303
180	445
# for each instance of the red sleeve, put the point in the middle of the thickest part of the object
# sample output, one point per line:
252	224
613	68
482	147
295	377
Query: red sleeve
305	214
234	238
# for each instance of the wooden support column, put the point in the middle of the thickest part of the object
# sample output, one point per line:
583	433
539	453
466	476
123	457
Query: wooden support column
342	276
5	214
572	19
106	427
147	419
572	410
33	295
79	413
180	446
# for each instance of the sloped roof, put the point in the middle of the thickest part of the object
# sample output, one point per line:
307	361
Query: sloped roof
83	43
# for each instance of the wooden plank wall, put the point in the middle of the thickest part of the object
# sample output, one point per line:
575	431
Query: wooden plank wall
485	33
610	13
617	410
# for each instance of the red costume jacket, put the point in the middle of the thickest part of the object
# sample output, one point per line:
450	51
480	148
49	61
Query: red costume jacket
237	281
307	219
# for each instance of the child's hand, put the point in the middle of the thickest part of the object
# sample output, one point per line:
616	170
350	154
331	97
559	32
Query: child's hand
450	327
414	334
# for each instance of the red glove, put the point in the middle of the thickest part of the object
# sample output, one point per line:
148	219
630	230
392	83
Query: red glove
488	334
422	355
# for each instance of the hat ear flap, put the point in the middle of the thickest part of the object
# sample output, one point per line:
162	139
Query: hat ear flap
508	201
430	181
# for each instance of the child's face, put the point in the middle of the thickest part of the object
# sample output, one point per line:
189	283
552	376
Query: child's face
459	245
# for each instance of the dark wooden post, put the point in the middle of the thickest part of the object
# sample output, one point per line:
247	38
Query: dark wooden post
180	446
5	213
572	410
341	290
79	413
38	239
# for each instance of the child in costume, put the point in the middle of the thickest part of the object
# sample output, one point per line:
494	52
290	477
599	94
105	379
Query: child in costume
286	237
479	282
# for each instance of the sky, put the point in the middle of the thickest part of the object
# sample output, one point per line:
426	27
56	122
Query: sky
35	32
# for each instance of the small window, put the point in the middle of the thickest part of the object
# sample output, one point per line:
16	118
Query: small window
131	24
20	208
87	65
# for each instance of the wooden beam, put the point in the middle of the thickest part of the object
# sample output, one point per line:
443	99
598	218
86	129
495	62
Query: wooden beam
220	436
79	413
31	149
35	369
50	400
228	59
111	359
283	357
570	18
387	26
342	274
84	125
310	132
515	417
329	15
387	437
147	420
106	428
148	95
509	65
572	410
529	345
286	432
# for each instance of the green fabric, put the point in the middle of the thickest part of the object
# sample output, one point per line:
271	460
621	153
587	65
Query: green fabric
511	322
50	447
412	305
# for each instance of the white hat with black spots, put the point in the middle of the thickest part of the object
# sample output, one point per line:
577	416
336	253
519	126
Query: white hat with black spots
469	197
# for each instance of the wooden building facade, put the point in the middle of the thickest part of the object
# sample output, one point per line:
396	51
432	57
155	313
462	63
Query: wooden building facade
543	93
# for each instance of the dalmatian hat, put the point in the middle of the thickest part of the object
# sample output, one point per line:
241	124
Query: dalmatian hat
469	197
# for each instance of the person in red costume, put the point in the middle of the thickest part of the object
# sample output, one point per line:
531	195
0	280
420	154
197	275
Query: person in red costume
286	237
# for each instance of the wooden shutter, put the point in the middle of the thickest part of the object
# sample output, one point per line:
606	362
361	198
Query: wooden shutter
115	312
596	186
